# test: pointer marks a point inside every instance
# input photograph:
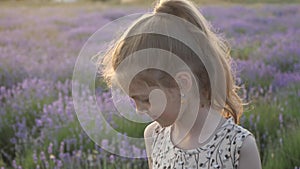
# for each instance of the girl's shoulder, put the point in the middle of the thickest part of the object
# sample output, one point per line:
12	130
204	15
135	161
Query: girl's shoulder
235	129
153	129
236	135
235	132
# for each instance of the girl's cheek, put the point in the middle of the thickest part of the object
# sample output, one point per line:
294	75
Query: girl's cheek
158	102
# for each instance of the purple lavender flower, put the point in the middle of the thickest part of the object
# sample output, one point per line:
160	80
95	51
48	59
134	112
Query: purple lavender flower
280	118
35	158
285	79
112	158
59	163
104	143
15	164
50	148
42	156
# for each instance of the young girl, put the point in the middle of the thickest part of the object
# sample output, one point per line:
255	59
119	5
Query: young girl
185	134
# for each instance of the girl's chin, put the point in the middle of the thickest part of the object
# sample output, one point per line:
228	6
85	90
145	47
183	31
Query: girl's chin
162	124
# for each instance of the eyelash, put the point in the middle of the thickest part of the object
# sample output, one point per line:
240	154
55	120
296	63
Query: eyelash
144	101
147	100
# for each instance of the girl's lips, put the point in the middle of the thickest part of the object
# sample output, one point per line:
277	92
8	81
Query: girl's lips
154	117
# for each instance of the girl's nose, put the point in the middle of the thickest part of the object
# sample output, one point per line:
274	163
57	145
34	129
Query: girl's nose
142	108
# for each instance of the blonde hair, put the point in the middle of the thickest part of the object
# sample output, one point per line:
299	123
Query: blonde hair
186	10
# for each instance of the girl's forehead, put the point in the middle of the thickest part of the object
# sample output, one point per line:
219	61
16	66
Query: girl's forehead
140	87
142	83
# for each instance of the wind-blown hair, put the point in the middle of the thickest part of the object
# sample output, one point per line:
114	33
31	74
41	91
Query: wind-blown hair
216	44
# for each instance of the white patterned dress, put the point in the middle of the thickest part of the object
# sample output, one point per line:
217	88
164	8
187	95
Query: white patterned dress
222	150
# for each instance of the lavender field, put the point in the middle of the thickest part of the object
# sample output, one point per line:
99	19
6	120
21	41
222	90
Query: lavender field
38	51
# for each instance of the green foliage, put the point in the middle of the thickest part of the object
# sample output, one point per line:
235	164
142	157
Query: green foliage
272	115
132	129
285	154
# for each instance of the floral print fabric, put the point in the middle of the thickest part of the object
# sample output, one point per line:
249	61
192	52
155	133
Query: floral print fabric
221	151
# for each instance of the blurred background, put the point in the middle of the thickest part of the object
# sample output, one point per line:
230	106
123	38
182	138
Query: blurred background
40	41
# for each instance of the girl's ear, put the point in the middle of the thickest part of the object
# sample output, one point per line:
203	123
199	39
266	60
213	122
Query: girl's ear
185	81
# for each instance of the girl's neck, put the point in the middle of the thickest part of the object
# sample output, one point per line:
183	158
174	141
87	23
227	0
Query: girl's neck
187	129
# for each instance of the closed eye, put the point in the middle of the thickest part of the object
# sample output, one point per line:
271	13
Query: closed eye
146	100
140	99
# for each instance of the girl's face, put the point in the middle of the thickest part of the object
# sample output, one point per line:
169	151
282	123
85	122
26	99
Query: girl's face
163	108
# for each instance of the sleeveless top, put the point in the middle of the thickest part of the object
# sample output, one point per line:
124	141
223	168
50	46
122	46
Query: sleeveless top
221	150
